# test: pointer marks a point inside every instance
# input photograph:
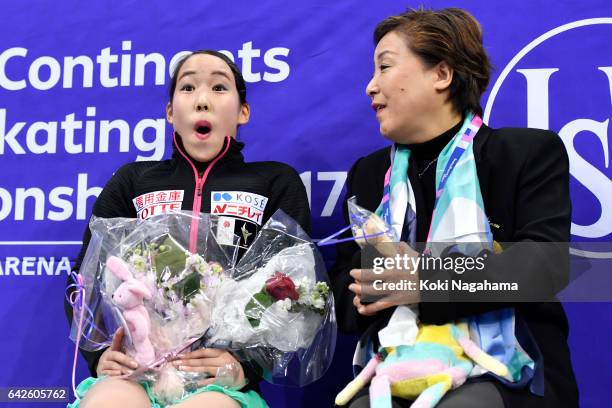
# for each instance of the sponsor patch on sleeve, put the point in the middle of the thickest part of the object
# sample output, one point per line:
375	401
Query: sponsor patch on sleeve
248	206
158	202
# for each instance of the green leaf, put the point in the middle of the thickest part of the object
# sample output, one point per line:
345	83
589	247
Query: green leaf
187	287
257	306
172	258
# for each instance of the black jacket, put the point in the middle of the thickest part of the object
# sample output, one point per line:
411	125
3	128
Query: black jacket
524	179
233	185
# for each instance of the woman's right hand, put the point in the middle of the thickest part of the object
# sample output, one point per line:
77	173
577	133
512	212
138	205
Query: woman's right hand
378	287
113	361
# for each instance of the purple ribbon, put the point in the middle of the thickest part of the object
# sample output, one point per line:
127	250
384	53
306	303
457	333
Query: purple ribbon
331	239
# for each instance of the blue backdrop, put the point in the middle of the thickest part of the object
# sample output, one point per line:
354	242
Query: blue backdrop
83	90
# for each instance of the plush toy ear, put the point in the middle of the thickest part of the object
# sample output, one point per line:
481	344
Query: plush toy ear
139	288
118	267
471	349
368	372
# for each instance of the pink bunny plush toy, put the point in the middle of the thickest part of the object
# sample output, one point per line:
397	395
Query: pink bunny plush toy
129	296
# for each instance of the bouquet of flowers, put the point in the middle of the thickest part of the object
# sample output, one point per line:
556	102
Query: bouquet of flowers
277	310
273	309
139	275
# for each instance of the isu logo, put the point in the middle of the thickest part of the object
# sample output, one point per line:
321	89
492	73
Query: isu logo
562	82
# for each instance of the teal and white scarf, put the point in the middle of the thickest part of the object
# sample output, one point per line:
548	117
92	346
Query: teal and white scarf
459	220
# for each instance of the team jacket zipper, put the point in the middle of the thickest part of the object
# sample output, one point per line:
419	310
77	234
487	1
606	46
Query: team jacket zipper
199	187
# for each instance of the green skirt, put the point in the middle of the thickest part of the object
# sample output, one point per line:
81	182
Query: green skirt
249	399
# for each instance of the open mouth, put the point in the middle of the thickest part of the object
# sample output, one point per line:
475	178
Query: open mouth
378	107
202	128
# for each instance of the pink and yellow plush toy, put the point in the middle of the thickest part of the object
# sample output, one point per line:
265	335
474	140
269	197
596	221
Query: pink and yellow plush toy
424	368
440	359
129	296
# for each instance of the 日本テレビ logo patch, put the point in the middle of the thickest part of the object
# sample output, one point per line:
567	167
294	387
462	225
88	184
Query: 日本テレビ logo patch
249	206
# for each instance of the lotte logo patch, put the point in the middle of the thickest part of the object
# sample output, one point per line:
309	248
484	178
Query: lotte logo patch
158	202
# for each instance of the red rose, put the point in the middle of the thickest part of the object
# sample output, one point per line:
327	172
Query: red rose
281	287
